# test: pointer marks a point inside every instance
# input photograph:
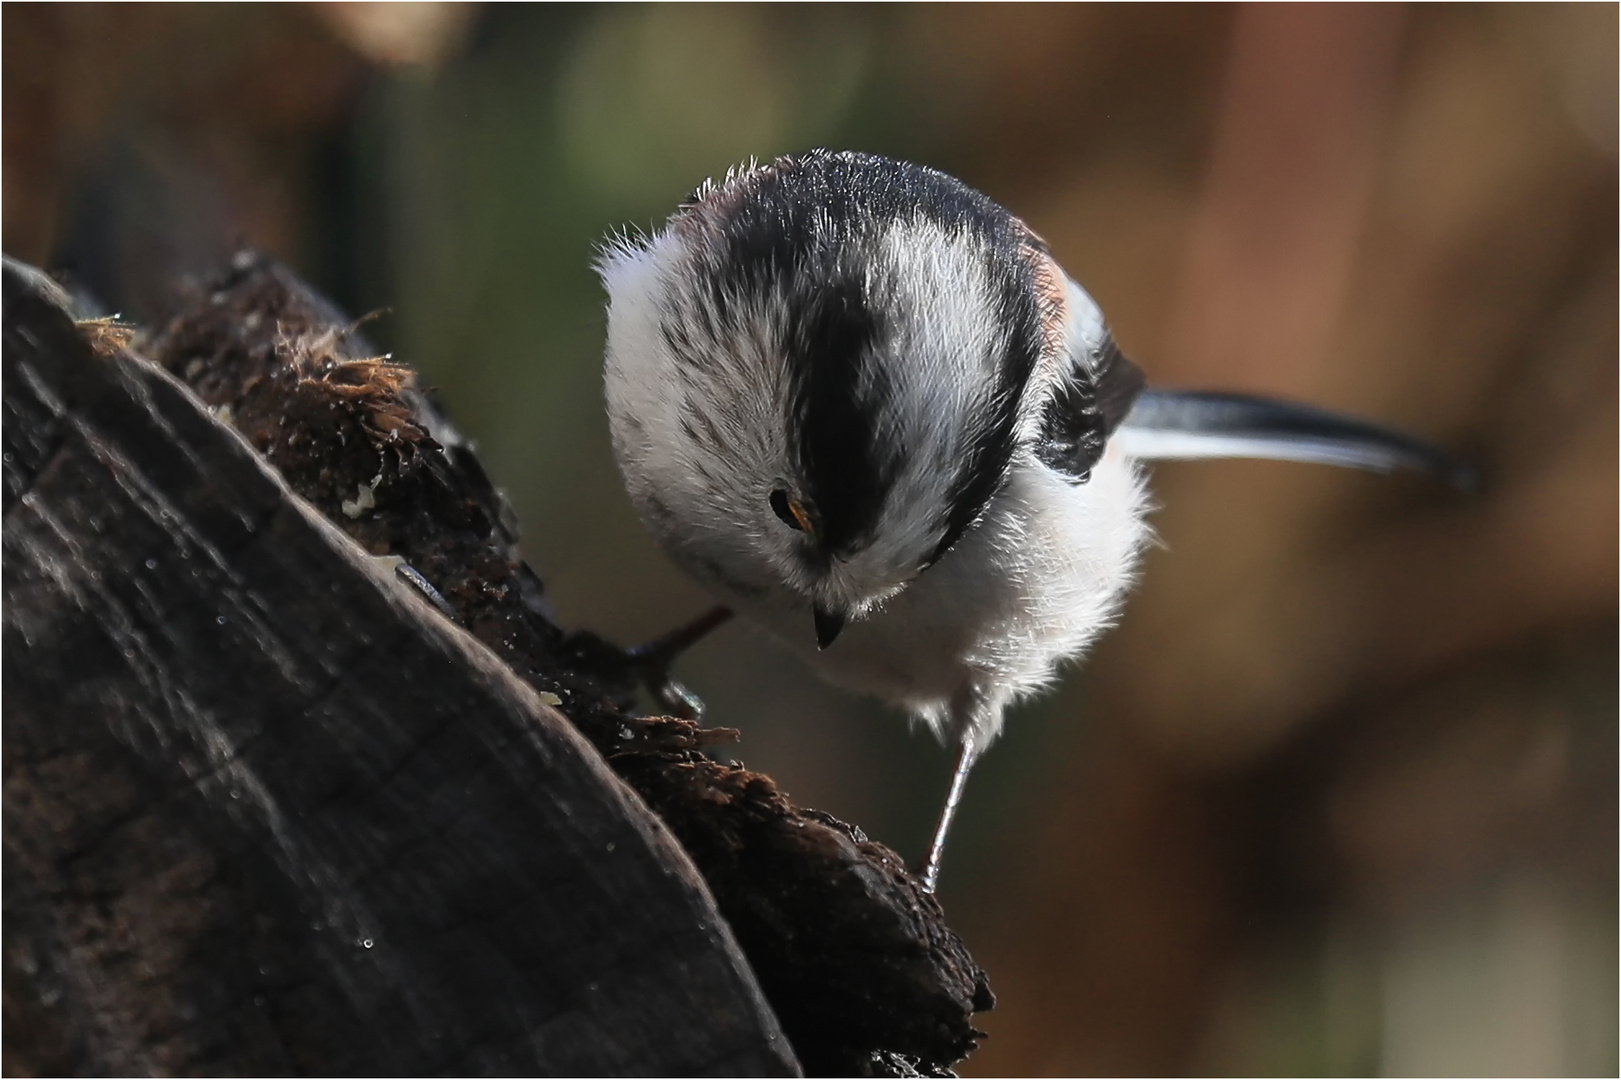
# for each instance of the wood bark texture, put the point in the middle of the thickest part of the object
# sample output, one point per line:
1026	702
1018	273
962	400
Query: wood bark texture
294	770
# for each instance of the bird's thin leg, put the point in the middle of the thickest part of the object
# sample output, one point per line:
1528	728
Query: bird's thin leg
653	659
966	756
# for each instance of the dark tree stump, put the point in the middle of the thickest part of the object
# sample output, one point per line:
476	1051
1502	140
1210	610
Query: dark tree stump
267	810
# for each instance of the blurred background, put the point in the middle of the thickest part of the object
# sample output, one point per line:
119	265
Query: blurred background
1339	796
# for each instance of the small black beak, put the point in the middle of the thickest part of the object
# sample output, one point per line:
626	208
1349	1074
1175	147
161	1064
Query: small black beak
828	625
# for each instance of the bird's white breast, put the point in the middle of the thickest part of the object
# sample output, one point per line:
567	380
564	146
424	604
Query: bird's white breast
1031	585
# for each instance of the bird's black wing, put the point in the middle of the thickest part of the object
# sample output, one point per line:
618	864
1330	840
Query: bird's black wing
1094	395
1184	424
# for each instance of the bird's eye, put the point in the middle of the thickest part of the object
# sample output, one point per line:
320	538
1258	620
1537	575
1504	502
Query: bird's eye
793	515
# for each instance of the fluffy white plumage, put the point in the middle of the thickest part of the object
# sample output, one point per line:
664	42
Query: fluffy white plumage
1032	584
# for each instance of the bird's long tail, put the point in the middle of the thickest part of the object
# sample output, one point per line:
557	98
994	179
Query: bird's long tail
1184	424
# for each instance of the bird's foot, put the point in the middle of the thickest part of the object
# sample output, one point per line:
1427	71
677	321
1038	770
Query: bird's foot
652	669
647	666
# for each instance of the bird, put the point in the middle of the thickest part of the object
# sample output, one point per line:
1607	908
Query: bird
862	405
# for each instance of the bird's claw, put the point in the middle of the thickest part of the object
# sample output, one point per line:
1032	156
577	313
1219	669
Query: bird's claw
653	669
652	661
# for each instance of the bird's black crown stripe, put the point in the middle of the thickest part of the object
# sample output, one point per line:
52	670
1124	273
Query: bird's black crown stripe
848	470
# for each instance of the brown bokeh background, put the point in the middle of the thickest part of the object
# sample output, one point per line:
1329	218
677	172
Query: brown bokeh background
1339	795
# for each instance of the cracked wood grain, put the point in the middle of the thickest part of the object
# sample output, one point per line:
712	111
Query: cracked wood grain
266	811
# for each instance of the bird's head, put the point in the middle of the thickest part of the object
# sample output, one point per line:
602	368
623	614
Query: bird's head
818	375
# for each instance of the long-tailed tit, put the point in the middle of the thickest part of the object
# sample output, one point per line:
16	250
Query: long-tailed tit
862	404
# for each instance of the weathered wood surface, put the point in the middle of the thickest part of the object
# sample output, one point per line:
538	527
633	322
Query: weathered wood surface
853	955
266	812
